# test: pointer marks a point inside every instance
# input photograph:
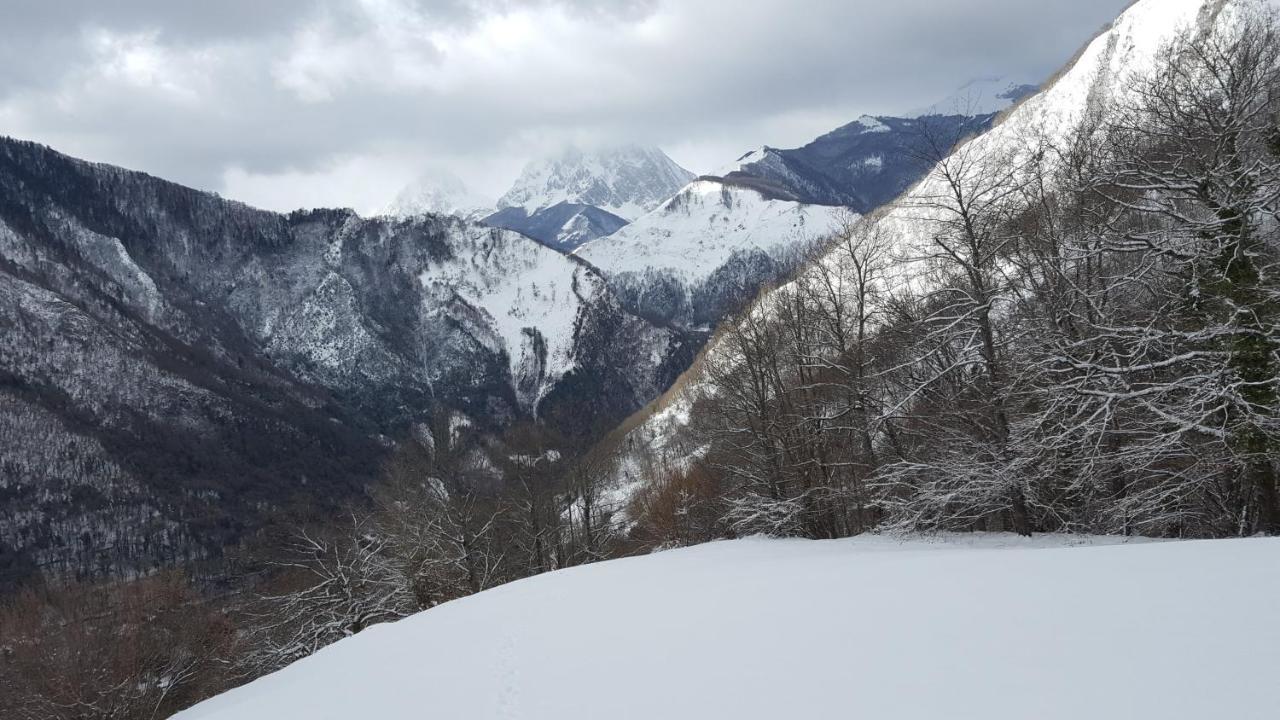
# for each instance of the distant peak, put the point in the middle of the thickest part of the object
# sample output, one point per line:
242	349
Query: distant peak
627	180
440	192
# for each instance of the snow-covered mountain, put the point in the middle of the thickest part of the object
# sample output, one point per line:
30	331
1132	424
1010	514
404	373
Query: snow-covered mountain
953	627
1100	73
190	357
578	195
627	181
439	192
707	249
564	226
861	165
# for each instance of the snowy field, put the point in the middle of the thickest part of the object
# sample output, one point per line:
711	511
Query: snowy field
985	626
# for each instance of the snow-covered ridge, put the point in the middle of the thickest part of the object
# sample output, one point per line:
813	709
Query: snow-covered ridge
764	161
1129	46
700	228
861	165
626	181
975	626
1099	77
872	124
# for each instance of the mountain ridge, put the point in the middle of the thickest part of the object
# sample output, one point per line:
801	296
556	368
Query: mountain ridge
576	196
153	328
656	436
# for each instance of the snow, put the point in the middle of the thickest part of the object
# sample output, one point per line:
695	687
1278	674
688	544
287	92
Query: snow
969	626
872	124
698	230
519	287
766	162
627	181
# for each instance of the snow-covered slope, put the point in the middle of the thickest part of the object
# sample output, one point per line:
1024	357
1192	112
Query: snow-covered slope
217	361
702	226
626	181
521	298
987	627
709	246
1100	77
1098	74
572	198
439	192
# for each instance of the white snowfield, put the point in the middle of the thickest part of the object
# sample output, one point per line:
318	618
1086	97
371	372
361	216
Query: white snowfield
987	627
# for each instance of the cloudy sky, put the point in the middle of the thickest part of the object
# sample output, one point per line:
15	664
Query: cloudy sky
286	103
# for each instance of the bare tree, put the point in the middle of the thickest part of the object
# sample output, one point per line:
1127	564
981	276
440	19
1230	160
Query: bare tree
130	651
331	584
953	387
441	524
590	529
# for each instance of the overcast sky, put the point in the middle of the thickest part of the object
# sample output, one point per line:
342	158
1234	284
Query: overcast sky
285	103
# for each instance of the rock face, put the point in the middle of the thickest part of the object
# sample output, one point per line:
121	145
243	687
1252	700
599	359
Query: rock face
577	196
175	367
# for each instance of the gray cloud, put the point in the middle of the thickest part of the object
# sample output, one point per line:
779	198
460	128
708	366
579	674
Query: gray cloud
288	103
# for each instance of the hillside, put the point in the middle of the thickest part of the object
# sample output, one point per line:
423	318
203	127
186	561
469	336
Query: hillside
194	364
1023	148
575	196
707	250
861	165
977	626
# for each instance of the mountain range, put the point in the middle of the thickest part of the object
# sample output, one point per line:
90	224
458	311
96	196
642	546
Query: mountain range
194	365
576	196
178	368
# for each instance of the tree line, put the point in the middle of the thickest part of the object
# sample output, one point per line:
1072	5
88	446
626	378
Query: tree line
457	510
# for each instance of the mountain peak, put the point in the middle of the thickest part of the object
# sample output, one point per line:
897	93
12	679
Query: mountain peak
625	180
439	192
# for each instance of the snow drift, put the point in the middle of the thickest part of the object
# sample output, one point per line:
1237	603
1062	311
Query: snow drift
983	626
